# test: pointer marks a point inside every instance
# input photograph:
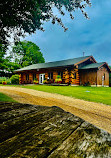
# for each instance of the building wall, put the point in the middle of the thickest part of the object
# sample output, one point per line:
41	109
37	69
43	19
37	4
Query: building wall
94	77
76	80
100	73
68	75
88	76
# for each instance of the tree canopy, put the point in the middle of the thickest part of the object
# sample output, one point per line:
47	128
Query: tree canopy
23	54
26	53
19	17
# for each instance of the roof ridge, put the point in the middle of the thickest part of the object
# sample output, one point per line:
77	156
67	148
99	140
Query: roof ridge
55	63
93	65
59	60
67	59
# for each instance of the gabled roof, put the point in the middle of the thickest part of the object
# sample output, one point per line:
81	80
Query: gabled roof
67	62
94	66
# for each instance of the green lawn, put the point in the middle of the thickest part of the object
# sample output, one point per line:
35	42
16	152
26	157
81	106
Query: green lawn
5	98
94	94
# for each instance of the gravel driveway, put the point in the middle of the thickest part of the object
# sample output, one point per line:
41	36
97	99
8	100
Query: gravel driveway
96	113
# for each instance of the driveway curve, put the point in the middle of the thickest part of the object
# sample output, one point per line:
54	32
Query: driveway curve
96	113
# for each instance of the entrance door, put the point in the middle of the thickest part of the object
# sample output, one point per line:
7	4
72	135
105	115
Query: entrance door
103	81
41	78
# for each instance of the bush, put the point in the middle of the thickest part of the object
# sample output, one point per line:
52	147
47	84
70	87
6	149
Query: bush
15	79
45	81
7	79
4	82
58	79
87	84
36	81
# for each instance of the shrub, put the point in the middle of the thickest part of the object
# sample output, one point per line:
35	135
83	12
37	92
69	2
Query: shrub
4	82
1	81
58	79
15	79
45	81
7	79
87	84
36	81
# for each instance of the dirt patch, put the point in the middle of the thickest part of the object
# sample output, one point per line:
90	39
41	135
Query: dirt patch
95	113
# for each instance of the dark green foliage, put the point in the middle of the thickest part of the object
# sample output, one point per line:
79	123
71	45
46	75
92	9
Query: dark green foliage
2	54
10	66
15	79
6	66
23	54
26	53
7	79
19	17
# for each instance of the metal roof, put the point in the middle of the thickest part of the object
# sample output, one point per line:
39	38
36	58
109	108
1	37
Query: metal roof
92	66
53	64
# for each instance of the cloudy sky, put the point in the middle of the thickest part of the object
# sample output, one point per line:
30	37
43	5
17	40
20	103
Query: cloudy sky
90	36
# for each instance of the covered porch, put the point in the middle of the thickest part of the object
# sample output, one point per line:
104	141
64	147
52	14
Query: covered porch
66	75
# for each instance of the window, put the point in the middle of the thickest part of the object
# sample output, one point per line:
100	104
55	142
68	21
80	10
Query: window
104	76
50	75
61	74
27	77
34	76
75	75
44	77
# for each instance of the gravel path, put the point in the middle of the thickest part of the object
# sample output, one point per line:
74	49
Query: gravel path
95	113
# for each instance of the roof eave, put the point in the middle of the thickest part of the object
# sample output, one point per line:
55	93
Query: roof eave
88	68
16	71
105	63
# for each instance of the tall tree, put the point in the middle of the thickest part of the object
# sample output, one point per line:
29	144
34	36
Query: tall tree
2	54
6	67
25	16
26	53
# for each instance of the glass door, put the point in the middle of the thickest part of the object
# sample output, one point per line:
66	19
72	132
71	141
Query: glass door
41	78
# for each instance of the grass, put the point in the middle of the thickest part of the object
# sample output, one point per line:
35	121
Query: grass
94	94
6	98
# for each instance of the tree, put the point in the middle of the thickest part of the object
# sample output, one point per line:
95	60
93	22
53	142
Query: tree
6	67
2	60
23	54
26	53
19	17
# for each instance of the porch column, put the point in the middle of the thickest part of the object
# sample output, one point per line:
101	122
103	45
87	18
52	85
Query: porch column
30	77
37	76
20	78
55	74
77	75
66	76
71	76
